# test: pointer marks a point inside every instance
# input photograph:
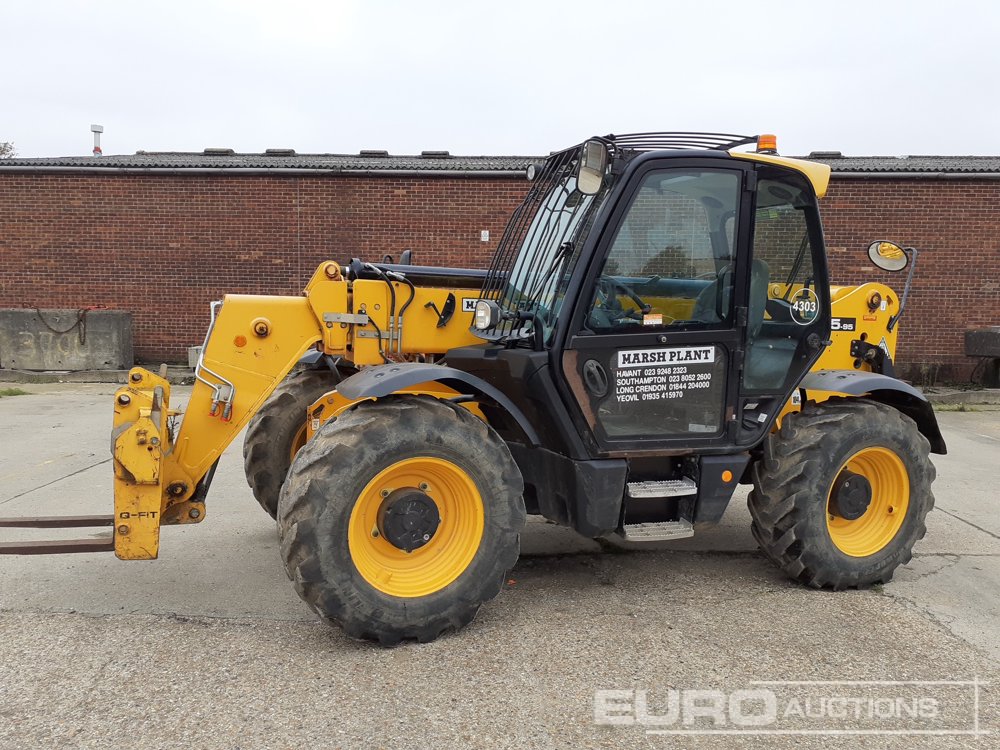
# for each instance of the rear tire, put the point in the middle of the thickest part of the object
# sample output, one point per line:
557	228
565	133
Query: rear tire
348	572
796	520
278	431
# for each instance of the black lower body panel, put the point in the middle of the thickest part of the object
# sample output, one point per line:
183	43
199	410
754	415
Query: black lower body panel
584	495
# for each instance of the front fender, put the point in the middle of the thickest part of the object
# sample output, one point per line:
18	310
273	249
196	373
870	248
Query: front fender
886	390
380	381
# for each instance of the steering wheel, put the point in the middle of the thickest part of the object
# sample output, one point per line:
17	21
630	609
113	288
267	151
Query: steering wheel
611	309
607	284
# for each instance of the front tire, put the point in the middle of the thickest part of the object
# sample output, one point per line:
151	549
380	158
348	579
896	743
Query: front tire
842	493
278	431
457	496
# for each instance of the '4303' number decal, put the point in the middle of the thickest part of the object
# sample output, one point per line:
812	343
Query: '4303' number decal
805	306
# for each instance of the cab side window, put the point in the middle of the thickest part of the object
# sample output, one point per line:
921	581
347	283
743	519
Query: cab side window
785	300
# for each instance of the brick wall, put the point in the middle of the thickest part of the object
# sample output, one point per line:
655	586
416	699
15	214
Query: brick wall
164	246
955	224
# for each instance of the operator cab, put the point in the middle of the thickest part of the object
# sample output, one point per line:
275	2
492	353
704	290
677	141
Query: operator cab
679	287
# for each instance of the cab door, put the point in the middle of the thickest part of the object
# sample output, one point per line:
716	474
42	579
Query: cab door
788	322
657	336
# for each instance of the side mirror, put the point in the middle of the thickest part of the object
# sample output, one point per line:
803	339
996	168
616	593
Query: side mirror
593	165
888	255
891	257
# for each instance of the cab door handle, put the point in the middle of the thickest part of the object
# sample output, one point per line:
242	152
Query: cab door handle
595	378
814	341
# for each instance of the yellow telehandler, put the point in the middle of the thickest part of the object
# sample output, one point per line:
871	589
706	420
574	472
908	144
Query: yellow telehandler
657	326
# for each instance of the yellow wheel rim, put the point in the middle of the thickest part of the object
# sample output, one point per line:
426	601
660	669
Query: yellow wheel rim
880	523
450	550
299	441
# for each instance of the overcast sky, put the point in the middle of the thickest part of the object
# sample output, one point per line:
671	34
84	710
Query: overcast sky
505	77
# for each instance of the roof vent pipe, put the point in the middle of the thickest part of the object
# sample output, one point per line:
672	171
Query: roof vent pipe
97	130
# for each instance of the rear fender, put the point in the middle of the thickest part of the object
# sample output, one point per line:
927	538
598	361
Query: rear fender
885	390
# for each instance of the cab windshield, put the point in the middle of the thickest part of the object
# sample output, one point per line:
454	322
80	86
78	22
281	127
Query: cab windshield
540	246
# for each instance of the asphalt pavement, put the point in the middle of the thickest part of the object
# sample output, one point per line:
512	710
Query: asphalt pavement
209	647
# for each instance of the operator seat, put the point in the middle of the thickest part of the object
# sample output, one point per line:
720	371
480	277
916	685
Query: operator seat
768	357
716	296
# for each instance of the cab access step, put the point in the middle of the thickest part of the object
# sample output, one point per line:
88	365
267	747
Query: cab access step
647	502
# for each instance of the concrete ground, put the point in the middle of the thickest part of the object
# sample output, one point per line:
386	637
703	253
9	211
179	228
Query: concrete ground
209	647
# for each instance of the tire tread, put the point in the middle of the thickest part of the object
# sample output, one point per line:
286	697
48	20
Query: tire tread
785	499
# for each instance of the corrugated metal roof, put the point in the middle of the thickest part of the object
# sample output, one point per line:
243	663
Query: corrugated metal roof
281	159
441	161
893	164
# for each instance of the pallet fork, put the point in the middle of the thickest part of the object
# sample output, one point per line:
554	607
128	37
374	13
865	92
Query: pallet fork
58	547
141	439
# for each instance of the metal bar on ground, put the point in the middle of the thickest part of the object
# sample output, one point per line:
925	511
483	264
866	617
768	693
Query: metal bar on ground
56	522
58	547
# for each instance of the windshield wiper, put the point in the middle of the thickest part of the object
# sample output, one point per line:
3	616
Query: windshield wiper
529	313
799	257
